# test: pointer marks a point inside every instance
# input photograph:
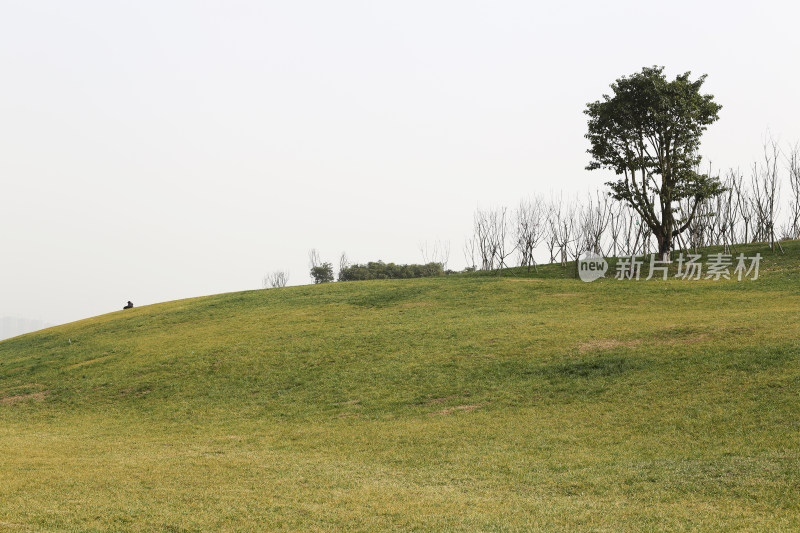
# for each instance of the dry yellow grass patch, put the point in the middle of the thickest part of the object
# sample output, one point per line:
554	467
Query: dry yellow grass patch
35	396
89	362
606	344
451	410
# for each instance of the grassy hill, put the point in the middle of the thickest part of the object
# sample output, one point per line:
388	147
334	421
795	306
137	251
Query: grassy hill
527	402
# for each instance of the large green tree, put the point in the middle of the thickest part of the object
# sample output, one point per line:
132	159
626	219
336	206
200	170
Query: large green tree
648	132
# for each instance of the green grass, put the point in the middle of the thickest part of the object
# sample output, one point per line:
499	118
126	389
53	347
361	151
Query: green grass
527	402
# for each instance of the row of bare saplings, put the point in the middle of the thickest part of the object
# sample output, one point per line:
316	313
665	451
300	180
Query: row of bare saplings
759	205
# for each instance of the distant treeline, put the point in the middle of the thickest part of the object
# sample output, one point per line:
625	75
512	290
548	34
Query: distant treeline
381	270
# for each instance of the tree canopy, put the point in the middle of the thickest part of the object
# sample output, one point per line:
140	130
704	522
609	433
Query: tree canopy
648	132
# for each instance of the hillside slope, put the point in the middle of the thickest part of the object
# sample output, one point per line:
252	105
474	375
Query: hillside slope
515	403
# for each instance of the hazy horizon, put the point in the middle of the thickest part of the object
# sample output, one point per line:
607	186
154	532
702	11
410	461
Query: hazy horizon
13	326
155	151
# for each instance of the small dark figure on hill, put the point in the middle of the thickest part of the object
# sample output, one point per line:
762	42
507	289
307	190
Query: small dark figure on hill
129	306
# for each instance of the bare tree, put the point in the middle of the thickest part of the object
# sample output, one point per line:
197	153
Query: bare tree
578	218
629	241
491	238
562	227
551	229
483	239
744	205
438	252
313	258
718	213
469	253
594	222
530	230
727	216
616	226
277	279
793	162
344	263
500	222
698	230
766	194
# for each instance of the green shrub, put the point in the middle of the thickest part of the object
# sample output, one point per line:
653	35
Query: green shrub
322	273
381	270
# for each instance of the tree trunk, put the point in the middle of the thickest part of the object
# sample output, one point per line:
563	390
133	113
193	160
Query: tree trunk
664	247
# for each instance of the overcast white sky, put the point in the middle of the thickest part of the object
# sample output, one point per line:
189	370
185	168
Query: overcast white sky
158	150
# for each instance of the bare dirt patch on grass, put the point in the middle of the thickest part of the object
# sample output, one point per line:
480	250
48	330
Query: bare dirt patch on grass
436	401
34	396
694	339
451	410
606	344
668	337
680	335
136	391
26	386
